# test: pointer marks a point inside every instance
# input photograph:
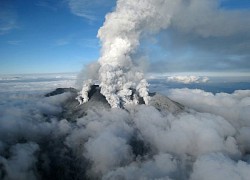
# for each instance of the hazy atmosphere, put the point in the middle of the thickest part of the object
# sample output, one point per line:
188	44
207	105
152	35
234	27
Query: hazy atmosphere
125	89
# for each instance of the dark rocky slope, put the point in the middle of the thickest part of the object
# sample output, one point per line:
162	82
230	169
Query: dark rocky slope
73	110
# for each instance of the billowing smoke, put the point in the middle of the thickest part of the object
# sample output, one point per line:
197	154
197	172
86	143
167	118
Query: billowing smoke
120	37
132	21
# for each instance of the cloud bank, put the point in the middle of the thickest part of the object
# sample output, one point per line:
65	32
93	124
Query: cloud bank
138	143
187	79
233	107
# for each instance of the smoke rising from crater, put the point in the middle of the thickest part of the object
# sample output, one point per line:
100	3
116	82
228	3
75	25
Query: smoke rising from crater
120	36
192	21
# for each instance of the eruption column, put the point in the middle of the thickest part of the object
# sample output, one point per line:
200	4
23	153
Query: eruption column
120	36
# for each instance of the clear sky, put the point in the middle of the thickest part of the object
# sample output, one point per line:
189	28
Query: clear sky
46	36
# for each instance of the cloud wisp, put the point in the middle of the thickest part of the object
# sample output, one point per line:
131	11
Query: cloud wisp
8	20
14	42
87	9
187	79
81	8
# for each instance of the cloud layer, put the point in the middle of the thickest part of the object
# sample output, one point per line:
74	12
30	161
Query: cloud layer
138	143
187	79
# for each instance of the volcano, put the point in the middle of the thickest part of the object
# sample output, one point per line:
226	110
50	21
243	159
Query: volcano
72	110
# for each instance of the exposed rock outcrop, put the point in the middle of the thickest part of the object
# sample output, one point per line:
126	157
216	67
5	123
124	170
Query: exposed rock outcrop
72	110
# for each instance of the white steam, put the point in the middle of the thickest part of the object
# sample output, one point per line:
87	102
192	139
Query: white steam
133	20
120	37
83	95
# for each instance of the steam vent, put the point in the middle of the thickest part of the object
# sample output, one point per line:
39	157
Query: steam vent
72	110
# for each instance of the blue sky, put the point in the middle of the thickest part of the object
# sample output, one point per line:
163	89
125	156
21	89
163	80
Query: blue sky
46	36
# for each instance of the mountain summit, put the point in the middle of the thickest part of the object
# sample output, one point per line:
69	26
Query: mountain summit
72	110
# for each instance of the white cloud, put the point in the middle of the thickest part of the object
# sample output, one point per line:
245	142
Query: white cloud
233	107
188	133
86	9
187	79
81	8
207	18
138	143
219	166
203	36
35	82
48	4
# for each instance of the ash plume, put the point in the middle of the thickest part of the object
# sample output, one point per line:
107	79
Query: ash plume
131	21
120	36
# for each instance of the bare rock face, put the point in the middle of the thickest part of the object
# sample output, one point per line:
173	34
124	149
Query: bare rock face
72	110
60	91
163	103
